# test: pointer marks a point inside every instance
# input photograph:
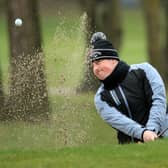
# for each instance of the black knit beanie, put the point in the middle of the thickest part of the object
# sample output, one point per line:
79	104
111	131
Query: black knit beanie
102	48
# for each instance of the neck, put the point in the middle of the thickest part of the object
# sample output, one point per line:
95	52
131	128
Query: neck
117	76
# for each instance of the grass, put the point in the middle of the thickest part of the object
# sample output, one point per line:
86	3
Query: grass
73	124
137	156
76	136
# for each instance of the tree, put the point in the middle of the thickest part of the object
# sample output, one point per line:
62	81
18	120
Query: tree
1	98
101	16
108	20
28	98
166	17
89	7
166	40
152	17
89	82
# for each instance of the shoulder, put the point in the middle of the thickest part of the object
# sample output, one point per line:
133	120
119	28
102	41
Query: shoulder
144	66
151	73
148	69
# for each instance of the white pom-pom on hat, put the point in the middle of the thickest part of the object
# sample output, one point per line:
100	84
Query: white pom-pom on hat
97	36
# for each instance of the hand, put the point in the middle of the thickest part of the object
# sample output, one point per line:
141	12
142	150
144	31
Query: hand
149	136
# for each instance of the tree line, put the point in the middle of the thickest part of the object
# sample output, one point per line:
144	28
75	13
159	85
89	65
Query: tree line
106	16
28	97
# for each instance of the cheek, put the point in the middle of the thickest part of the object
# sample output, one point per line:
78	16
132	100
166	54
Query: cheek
98	69
106	69
95	70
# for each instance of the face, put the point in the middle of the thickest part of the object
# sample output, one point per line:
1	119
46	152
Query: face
103	68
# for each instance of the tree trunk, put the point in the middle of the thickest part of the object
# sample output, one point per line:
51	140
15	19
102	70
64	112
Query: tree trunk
89	7
102	16
28	94
152	17
166	17
1	99
89	82
108	20
166	43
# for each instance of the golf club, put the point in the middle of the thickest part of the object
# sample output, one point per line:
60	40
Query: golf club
162	132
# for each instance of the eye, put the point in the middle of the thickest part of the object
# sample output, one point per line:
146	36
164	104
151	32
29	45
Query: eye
98	62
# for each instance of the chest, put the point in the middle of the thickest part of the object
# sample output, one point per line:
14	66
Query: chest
131	95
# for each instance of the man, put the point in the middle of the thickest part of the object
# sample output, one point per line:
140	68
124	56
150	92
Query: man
131	99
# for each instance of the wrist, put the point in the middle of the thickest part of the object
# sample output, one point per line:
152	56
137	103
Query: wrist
142	135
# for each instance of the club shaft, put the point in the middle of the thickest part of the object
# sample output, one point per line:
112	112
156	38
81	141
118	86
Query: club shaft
162	132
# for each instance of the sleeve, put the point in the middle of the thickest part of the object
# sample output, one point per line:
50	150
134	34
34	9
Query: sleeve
118	120
157	112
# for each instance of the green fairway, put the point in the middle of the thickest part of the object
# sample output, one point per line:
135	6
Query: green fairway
151	155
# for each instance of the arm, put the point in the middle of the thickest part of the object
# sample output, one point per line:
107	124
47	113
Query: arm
158	108
118	120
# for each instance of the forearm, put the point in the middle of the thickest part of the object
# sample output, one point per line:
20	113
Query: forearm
156	117
125	125
158	105
119	121
158	109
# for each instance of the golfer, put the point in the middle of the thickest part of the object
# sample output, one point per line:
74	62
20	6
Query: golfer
131	99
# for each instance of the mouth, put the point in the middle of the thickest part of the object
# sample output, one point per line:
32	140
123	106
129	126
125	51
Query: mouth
100	75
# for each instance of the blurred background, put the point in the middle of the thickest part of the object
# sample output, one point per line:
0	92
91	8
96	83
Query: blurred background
46	86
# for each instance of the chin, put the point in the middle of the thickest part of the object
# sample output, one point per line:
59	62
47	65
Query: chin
100	77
